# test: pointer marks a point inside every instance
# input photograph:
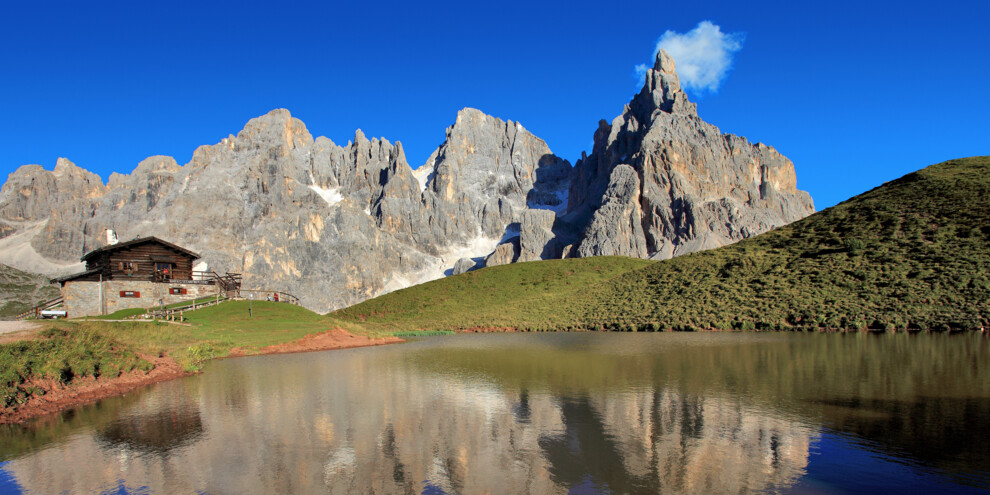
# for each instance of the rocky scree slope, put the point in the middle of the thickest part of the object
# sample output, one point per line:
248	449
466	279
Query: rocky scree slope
340	224
21	291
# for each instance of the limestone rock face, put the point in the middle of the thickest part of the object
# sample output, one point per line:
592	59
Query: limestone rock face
68	193
487	172
333	224
31	192
288	211
463	265
537	240
505	253
615	227
698	188
339	224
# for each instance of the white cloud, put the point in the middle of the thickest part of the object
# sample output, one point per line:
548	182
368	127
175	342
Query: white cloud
703	56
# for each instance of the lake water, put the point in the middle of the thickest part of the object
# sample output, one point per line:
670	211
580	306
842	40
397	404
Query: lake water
544	413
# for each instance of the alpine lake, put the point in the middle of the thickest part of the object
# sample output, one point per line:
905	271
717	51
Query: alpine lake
541	413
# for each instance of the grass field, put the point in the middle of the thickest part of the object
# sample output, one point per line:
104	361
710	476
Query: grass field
489	298
68	349
911	254
61	354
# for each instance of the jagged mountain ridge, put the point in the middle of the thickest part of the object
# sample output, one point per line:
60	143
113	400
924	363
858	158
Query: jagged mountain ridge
340	224
334	224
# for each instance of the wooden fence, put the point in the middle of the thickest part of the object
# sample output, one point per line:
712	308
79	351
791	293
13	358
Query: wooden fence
35	312
177	313
268	295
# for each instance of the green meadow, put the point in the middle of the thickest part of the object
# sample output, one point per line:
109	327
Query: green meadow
912	254
69	349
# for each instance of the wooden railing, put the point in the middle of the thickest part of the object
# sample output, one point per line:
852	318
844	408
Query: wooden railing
177	313
289	298
229	283
35	312
269	295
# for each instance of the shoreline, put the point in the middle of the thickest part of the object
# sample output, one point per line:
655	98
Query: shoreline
88	390
325	341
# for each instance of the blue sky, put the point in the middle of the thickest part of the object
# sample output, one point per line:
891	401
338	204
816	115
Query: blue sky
855	93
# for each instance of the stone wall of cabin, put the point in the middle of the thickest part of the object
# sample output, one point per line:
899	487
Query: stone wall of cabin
83	298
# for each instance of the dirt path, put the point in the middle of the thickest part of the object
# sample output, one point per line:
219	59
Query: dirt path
17	326
86	390
11	331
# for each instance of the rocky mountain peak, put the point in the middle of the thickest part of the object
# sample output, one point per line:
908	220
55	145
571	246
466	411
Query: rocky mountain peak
73	176
697	187
277	130
664	62
64	166
470	116
487	159
662	91
153	167
157	164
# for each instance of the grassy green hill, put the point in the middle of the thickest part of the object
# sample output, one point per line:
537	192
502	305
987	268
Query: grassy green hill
77	348
480	299
911	254
21	291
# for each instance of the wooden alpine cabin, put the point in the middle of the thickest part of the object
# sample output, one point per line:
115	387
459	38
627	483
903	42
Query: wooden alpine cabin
148	258
140	273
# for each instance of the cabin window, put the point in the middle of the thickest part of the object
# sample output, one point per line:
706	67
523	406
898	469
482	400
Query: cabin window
164	270
130	293
177	290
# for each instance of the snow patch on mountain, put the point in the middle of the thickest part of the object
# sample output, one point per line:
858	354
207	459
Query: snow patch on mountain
424	175
331	196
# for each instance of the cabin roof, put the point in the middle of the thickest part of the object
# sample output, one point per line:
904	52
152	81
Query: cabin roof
134	242
69	278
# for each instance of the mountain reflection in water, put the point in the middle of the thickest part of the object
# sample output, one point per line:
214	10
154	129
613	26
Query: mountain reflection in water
585	413
159	432
155	427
